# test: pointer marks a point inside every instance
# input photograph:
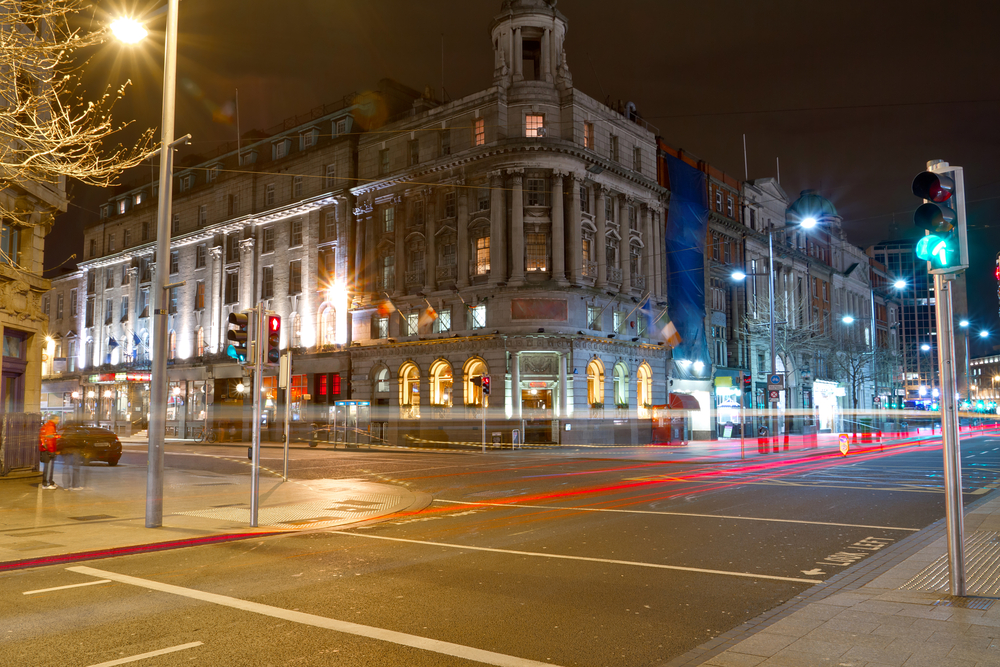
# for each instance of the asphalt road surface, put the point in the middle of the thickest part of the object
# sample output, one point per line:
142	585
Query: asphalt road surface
523	558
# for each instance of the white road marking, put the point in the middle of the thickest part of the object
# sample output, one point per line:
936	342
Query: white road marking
151	654
587	559
61	588
381	634
704	516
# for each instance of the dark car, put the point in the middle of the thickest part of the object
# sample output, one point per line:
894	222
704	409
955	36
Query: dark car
93	443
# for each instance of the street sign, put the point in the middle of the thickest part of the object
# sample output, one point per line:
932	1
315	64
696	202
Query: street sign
775	395
845	443
775	380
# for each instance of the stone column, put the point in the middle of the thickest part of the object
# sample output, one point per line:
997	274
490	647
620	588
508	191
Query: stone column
517	229
558	230
368	265
517	57
601	241
218	278
656	224
563	389
462	225
647	249
359	258
498	230
399	288
133	293
625	249
515	386
248	278
546	73
575	233
430	261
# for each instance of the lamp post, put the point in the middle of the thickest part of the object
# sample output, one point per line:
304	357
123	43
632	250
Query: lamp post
130	32
805	223
983	333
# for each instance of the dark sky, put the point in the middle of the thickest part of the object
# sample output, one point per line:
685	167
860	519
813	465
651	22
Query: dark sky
852	97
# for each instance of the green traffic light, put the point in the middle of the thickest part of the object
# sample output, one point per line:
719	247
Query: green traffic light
940	251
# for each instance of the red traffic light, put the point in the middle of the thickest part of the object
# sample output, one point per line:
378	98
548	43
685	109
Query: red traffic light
486	385
273	355
933	187
274	323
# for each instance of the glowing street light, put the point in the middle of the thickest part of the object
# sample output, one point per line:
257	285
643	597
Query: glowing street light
984	334
809	222
738	275
847	319
925	347
128	30
899	284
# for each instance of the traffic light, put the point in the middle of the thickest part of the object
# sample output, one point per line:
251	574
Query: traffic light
747	383
273	355
944	247
483	382
240	336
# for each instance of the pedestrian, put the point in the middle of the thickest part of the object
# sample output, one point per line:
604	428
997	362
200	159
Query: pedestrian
72	459
48	446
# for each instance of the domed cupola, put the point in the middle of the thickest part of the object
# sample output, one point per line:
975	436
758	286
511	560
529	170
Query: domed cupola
528	38
811	204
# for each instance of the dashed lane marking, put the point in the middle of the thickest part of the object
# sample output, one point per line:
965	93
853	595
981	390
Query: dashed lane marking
586	559
691	514
381	634
151	654
62	588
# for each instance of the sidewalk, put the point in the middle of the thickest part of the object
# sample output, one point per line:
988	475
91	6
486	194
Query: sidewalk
893	608
41	526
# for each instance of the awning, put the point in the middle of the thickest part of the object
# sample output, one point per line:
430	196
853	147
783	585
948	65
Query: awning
683	402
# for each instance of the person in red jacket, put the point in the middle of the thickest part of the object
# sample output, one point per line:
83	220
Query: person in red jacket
48	444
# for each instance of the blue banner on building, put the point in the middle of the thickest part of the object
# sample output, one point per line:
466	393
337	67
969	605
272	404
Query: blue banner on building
687	226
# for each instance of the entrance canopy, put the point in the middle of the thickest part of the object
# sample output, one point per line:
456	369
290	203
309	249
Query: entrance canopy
683	402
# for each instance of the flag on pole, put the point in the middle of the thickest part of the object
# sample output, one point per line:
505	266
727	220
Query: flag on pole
666	329
427	317
112	343
386	307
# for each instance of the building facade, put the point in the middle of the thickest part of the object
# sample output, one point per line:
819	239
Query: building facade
514	233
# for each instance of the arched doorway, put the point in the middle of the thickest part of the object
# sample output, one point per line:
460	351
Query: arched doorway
644	389
621	385
409	391
441	380
595	383
474	367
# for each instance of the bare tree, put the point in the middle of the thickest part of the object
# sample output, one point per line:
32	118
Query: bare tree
852	360
49	130
797	339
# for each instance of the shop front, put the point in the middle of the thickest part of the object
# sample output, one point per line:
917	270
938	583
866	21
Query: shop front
118	401
825	407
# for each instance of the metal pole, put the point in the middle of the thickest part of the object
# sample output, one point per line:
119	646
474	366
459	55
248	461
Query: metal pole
949	433
158	376
258	384
486	400
968	390
742	421
874	365
288	410
774	357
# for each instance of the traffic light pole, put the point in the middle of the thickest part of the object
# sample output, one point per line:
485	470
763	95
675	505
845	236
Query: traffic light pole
260	338
949	431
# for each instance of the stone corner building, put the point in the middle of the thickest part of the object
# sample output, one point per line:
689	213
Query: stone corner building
515	233
527	217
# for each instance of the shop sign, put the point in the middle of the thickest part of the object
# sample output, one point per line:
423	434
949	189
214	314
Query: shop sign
106	378
138	376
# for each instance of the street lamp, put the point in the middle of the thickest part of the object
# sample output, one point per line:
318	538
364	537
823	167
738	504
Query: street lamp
738	275
925	347
158	376
847	319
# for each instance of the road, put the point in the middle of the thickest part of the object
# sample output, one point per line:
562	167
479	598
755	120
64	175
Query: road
523	558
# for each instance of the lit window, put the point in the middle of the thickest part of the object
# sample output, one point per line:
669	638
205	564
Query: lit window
479	132
536	251
534	125
482	260
478	316
588	135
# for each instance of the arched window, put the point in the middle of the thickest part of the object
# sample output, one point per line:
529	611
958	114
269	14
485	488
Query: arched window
382	381
199	342
595	383
621	385
644	389
474	367
172	345
409	390
328	326
441	383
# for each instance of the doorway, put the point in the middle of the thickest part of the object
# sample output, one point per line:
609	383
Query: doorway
536	409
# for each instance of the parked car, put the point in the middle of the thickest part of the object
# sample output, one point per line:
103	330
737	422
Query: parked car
94	443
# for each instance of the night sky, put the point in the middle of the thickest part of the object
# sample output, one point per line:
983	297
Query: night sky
852	97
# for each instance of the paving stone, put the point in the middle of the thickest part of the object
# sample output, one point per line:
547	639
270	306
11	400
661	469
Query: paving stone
730	659
795	626
878	655
818	647
763	644
788	658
